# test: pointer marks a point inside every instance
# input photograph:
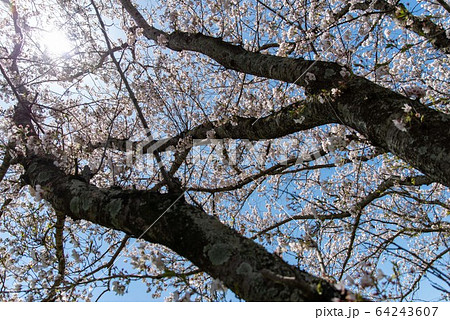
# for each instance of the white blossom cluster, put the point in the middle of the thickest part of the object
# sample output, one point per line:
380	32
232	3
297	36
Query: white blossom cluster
302	196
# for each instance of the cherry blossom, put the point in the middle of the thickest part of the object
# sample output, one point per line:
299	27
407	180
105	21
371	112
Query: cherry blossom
206	147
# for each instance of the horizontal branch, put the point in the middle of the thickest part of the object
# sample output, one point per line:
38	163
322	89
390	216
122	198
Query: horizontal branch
298	116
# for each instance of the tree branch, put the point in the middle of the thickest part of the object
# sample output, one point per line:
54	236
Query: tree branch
358	208
167	179
59	248
423	27
213	247
298	116
370	109
236	58
445	5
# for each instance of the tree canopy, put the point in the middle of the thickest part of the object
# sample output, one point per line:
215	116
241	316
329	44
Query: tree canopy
258	149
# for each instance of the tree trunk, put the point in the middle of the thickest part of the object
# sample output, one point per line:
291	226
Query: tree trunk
167	219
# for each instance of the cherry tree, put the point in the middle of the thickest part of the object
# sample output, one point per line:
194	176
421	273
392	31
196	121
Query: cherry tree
274	150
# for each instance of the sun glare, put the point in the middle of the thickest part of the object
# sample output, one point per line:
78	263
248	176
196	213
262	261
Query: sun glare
56	43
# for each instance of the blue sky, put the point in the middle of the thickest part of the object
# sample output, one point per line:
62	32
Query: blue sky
137	290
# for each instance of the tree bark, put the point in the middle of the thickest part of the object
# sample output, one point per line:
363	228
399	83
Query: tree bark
243	266
365	106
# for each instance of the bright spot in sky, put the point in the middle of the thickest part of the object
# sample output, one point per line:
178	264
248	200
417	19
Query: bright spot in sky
55	42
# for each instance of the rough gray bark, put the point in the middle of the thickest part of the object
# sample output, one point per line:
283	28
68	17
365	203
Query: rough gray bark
245	267
242	265
363	105
425	143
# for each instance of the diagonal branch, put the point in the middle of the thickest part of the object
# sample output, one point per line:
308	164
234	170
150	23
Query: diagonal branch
422	26
379	192
372	110
113	258
167	179
214	247
237	58
7	158
445	5
4	205
387	184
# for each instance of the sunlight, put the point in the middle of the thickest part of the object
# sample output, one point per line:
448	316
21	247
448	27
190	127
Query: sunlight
55	42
